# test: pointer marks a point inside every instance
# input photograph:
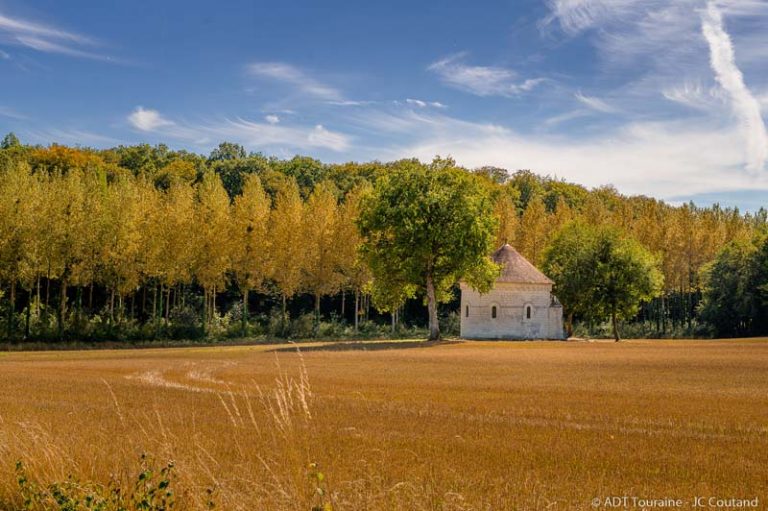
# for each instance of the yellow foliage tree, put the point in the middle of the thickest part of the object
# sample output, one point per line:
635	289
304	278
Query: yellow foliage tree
251	260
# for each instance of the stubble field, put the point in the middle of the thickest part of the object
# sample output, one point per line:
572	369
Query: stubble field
455	426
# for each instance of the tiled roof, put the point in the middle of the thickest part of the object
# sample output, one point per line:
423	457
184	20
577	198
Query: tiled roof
517	268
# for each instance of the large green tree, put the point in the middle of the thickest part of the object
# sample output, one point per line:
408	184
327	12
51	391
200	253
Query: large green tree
736	290
429	226
624	275
566	261
600	273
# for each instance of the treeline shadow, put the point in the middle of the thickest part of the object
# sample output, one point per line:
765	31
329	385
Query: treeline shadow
367	346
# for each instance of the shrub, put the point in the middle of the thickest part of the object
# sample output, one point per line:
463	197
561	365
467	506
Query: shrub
151	491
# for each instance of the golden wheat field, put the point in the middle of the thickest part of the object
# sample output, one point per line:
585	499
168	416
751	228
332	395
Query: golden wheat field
397	425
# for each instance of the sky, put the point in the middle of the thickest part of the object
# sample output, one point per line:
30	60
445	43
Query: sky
667	98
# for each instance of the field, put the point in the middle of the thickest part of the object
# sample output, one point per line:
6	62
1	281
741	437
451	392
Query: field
397	426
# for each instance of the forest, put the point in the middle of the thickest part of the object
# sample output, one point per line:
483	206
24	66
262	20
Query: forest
144	242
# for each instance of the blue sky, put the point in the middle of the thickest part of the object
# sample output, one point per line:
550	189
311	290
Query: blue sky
659	97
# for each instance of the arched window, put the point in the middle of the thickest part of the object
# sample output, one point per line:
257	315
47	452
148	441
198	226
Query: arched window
527	312
493	312
466	313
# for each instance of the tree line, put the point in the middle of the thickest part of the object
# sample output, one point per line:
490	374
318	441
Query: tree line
143	234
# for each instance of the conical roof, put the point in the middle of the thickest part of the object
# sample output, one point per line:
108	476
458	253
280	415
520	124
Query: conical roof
516	268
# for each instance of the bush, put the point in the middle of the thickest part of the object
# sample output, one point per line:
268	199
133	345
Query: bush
151	491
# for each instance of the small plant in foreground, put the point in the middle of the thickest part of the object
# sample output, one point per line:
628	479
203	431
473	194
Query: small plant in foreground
320	494
151	492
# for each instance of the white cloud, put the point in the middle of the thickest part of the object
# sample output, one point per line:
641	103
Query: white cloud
729	76
481	80
272	119
321	137
694	95
47	39
350	102
148	119
286	73
595	103
564	117
662	159
575	16
424	104
249	133
669	49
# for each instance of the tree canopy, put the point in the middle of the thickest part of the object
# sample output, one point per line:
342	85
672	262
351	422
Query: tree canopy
600	273
428	226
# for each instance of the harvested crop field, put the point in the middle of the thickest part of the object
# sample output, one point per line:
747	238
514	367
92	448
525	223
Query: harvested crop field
397	425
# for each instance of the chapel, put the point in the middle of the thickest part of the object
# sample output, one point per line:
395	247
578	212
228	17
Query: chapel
519	306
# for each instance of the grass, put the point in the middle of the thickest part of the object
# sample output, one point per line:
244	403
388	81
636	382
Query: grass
455	426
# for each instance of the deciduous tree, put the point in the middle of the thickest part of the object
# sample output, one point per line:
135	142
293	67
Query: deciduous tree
429	226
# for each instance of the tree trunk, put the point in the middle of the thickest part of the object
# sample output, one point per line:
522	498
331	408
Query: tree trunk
47	289
394	320
357	308
213	303
37	305
569	325
168	305
282	327
205	309
29	313
343	298
11	310
154	303
111	306
62	307
434	326
161	311
615	324
79	310
245	312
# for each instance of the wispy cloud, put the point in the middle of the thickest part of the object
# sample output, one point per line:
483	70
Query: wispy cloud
72	136
695	158
48	39
676	50
729	76
350	102
556	120
595	103
575	16
424	104
481	80
286	73
11	114
268	134
693	95
4	55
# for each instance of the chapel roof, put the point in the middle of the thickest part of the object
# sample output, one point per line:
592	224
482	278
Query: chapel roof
516	268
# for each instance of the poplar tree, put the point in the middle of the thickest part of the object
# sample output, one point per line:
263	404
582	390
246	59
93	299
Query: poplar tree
251	261
355	272
286	239
321	271
213	240
176	232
